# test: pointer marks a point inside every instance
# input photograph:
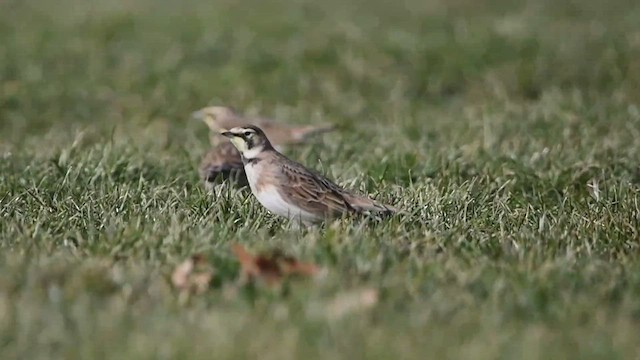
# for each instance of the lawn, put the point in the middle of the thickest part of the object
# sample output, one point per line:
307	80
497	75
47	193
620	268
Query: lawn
508	132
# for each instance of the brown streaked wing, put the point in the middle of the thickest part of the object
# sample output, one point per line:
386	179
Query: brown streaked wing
311	191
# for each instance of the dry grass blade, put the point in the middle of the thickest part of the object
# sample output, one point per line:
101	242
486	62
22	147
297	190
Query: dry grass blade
193	275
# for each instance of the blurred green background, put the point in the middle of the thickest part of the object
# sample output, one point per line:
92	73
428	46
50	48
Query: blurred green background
508	130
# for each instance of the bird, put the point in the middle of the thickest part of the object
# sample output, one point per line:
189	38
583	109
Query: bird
223	162
289	189
222	118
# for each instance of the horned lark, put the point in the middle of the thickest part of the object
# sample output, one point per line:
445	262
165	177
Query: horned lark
222	118
223	160
287	188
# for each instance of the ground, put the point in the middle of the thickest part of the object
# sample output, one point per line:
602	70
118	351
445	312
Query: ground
508	131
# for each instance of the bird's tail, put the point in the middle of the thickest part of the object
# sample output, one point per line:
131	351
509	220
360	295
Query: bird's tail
304	132
364	204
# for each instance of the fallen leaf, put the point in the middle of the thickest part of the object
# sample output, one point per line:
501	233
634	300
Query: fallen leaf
193	275
271	268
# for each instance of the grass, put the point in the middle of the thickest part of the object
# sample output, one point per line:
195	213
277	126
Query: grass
487	121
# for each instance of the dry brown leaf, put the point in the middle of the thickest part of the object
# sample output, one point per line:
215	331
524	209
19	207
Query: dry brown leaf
271	268
193	275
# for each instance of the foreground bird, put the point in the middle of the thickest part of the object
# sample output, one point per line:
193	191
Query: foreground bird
288	189
223	160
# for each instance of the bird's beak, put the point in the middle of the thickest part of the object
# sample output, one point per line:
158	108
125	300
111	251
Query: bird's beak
198	115
228	134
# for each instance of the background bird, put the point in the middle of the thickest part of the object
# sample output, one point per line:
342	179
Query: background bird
223	161
289	189
220	118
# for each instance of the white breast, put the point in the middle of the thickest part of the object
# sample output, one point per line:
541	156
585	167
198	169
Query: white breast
271	199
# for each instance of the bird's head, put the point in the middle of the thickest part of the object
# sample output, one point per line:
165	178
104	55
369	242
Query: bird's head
250	140
214	116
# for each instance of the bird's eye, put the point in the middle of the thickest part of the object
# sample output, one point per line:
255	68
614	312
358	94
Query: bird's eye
248	133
